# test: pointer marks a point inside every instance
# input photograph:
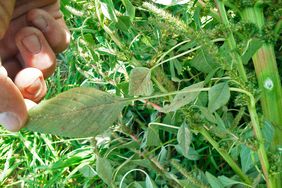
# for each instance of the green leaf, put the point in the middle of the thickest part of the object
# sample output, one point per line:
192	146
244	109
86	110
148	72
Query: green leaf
150	183
104	170
140	82
219	95
184	98
79	112
207	114
152	137
253	46
213	181
88	171
134	185
227	182
246	158
268	132
130	9
108	10
203	62
123	23
184	138
192	153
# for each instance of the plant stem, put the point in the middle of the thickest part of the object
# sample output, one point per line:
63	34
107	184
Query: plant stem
213	13
256	127
225	155
231	41
270	85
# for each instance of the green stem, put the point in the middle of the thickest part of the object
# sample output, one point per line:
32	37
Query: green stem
270	85
159	62
256	127
225	155
213	13
231	41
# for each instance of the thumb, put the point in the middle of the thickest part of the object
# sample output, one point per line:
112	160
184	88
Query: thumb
6	12
13	112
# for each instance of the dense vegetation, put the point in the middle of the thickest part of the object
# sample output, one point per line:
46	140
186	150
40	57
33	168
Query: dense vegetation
206	112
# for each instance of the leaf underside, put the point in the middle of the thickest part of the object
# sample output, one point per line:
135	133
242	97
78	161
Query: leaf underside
219	95
183	99
79	112
140	83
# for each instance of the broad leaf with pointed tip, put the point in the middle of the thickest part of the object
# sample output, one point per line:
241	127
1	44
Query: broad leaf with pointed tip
219	95
79	112
184	138
183	99
140	82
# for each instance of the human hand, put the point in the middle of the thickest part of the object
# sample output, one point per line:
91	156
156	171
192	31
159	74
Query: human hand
31	33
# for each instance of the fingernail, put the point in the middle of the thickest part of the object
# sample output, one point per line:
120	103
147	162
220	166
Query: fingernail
32	44
41	23
34	87
10	121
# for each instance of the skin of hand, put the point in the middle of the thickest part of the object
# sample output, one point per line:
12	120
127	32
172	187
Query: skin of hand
32	32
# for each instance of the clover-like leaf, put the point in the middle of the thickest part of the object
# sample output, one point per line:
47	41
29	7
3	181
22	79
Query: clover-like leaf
79	112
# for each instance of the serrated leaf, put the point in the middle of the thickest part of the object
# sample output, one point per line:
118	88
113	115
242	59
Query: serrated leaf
213	181
140	82
184	138
183	99
104	170
219	95
203	62
171	2
79	112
